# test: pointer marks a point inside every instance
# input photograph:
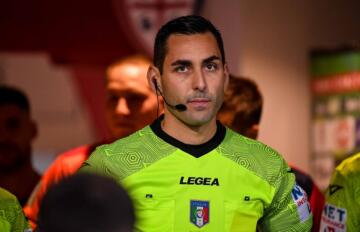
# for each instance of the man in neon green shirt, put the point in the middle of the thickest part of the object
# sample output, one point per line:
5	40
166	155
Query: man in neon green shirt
342	209
12	218
186	171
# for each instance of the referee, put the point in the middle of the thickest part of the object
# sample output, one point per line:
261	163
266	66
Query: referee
186	171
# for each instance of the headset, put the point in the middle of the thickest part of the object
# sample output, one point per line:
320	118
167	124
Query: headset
179	107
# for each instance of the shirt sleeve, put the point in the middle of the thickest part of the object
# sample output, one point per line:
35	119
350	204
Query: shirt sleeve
12	218
95	162
20	224
289	209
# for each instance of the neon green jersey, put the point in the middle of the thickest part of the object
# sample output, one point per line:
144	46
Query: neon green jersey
342	209
12	218
235	184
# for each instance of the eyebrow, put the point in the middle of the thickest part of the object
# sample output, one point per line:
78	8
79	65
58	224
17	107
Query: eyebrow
126	92
211	58
188	63
181	62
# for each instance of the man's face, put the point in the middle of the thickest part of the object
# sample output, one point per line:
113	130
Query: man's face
130	103
17	131
194	75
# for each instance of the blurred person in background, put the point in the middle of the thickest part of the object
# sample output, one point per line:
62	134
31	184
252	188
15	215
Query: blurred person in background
342	209
17	132
241	112
12	218
130	105
88	203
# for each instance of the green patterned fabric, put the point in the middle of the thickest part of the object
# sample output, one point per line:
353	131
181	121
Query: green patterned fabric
342	208
12	218
242	185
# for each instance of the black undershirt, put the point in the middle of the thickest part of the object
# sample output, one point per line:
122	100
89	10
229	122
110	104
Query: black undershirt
194	150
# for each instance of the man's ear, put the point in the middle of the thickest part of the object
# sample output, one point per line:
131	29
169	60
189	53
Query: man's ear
153	76
33	129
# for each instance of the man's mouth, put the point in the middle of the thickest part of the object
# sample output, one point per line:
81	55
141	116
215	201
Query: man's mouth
199	102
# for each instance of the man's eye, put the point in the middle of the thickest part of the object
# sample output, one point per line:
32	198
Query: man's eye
112	98
181	68
211	67
135	98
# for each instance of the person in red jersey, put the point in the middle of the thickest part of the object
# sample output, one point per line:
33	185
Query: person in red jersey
241	111
130	105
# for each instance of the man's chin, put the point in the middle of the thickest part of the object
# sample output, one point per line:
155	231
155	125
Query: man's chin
198	120
7	166
12	160
8	159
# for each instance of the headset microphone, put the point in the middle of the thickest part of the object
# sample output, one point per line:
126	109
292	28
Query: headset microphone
179	107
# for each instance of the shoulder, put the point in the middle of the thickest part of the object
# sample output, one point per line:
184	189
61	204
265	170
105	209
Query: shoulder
128	155
8	201
303	180
11	214
6	196
241	145
350	166
136	143
347	174
73	155
255	156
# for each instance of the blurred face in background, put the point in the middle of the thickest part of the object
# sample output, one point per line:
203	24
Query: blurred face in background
130	103
17	131
228	118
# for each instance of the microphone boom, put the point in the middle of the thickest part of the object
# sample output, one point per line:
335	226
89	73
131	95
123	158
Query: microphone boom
179	107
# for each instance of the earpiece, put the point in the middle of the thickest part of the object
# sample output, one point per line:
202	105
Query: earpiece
155	84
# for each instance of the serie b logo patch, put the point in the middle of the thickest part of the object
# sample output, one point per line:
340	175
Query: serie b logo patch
199	212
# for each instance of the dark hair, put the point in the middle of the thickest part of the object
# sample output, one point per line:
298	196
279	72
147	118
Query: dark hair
12	95
244	99
86	202
185	25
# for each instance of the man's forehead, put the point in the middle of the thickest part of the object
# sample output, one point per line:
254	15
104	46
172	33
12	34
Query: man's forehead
128	77
186	47
129	71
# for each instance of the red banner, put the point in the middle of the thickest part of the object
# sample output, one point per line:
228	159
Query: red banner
336	84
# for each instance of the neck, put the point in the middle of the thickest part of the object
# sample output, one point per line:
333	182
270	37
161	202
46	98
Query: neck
186	133
20	182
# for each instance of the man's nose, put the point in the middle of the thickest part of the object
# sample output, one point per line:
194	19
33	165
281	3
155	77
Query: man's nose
122	107
199	81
